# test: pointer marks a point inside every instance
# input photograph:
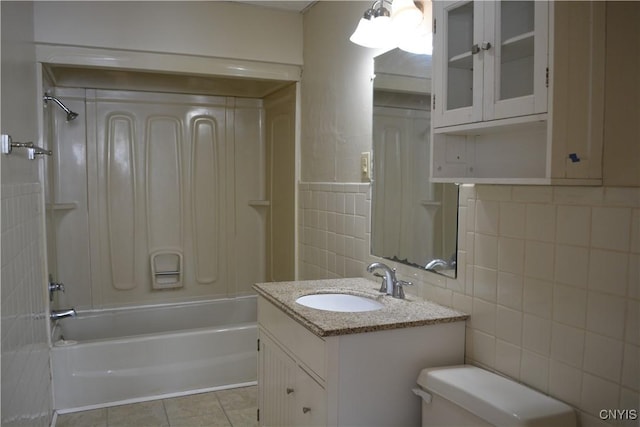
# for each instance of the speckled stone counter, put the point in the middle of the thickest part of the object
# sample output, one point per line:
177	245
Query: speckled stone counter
396	313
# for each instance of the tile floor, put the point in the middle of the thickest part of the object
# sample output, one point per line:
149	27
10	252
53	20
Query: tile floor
225	408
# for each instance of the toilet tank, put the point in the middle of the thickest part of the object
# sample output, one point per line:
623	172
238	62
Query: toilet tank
468	395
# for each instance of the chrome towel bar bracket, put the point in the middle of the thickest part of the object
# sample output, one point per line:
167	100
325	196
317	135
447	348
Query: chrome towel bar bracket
7	145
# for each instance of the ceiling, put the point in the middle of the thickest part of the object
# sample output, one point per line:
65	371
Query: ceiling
292	5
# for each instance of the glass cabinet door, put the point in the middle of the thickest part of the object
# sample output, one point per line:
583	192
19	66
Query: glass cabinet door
516	49
457	66
519	31
459	57
490	60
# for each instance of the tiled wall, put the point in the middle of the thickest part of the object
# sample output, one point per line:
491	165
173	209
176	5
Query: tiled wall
26	378
334	229
550	276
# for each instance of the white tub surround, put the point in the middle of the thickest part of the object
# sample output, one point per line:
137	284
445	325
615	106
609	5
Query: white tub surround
109	357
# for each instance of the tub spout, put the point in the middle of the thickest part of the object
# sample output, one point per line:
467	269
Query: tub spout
61	314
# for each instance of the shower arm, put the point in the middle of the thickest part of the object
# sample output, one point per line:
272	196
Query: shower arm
70	114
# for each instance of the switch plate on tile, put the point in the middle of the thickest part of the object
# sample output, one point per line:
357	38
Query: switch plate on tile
365	166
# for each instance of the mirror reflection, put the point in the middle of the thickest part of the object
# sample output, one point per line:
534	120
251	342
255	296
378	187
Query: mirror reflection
414	221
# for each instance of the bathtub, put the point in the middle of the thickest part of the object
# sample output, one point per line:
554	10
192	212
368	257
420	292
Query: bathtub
114	356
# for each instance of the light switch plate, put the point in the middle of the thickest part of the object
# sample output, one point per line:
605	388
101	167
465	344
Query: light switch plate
365	166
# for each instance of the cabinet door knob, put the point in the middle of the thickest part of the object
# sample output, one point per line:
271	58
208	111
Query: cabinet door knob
305	409
475	49
289	390
486	46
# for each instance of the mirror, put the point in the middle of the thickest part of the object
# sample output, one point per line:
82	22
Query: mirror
414	221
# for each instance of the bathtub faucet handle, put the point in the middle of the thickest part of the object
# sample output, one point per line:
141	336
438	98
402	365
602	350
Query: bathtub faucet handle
54	287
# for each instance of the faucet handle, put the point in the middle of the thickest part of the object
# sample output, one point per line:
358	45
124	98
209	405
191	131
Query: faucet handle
383	285
398	290
53	287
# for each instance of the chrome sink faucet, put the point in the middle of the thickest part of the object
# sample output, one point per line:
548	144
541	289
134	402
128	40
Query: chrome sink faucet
389	275
390	284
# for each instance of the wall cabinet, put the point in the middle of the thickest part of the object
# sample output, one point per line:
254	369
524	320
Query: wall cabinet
346	380
491	62
518	92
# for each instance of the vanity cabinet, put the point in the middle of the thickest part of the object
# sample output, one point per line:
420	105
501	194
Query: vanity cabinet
290	395
518	92
353	379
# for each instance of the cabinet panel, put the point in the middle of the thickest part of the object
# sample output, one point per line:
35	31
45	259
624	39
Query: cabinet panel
277	378
309	348
311	401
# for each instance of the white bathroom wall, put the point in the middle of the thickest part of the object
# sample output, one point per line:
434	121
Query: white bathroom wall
336	104
550	275
26	383
191	28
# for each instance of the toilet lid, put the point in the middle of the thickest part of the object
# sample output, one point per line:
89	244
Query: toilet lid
498	400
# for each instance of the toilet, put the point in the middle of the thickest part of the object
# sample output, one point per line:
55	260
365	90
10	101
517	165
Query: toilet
466	395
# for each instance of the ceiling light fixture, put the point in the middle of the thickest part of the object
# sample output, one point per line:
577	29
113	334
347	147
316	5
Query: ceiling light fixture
408	26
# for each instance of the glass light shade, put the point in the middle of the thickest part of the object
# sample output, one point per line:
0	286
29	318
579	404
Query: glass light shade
374	33
405	15
361	35
420	42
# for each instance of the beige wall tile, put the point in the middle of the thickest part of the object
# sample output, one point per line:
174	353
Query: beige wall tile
572	265
603	356
608	271
539	259
509	325
565	382
532	194
538	297
632	328
508	358
635	231
484	348
541	222
567	344
611	228
487	214
485	283
606	314
598	393
536	334
511	255
633	277
574	225
570	305
512	219
510	289
631	367
484	316
534	370
486	251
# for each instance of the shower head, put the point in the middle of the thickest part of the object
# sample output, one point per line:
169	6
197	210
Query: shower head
70	114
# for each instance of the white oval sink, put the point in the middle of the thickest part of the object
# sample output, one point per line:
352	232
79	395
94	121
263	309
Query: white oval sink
339	302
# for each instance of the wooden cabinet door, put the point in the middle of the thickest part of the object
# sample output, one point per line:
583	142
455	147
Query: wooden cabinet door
276	384
311	401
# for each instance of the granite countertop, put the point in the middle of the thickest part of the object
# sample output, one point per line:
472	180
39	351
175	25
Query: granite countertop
396	313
